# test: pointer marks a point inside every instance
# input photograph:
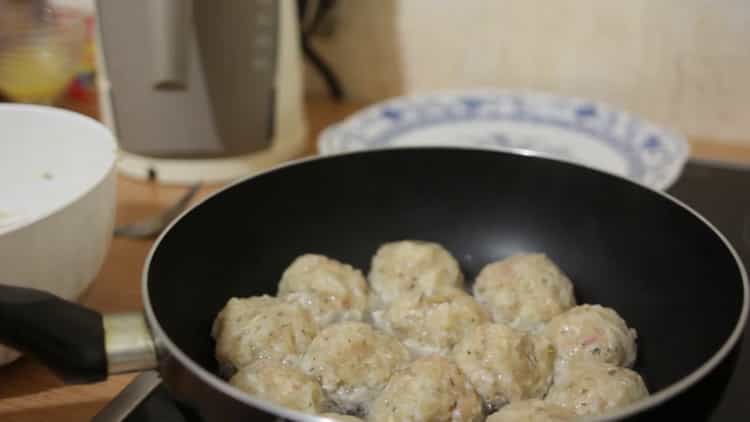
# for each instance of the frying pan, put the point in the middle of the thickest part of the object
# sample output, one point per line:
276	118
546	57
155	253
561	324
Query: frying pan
662	266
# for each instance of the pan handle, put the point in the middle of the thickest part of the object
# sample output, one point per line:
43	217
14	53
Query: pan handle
76	343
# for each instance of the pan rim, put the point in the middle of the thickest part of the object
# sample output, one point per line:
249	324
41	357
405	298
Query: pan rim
653	400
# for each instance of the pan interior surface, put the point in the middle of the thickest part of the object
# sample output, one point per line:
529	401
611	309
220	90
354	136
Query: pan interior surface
666	272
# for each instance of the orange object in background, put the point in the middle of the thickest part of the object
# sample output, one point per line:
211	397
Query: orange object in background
83	85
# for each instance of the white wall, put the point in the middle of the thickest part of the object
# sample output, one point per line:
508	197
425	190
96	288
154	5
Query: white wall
683	63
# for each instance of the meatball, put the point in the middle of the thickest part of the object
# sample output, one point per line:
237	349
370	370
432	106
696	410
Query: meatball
412	266
505	364
341	418
591	333
330	290
524	291
353	363
261	328
594	388
431	389
281	384
428	324
533	410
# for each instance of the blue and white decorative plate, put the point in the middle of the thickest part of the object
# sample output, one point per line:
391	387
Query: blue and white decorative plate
582	131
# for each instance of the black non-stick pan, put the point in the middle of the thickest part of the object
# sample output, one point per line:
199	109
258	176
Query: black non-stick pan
663	267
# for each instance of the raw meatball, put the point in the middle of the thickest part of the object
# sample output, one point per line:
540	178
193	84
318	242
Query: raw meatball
504	364
281	384
524	291
353	362
341	418
431	389
534	410
434	323
412	266
261	328
591	333
330	290
594	388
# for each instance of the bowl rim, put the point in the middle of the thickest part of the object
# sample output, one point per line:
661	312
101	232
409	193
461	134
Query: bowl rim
94	125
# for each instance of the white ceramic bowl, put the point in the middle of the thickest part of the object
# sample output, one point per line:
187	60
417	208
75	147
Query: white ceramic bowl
57	199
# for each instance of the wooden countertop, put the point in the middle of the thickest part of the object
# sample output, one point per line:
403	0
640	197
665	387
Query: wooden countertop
28	392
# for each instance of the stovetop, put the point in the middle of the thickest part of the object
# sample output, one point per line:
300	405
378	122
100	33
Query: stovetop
718	191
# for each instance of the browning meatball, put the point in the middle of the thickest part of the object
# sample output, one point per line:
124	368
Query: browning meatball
431	389
505	364
330	290
341	418
593	388
428	324
524	291
353	362
412	266
281	384
533	410
261	328
591	333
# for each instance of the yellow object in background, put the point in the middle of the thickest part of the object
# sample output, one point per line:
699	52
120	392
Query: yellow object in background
36	73
88	58
41	48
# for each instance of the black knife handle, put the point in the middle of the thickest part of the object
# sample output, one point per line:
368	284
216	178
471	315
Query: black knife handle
65	336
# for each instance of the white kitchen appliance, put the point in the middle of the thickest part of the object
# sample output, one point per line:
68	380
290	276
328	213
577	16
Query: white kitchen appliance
200	90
